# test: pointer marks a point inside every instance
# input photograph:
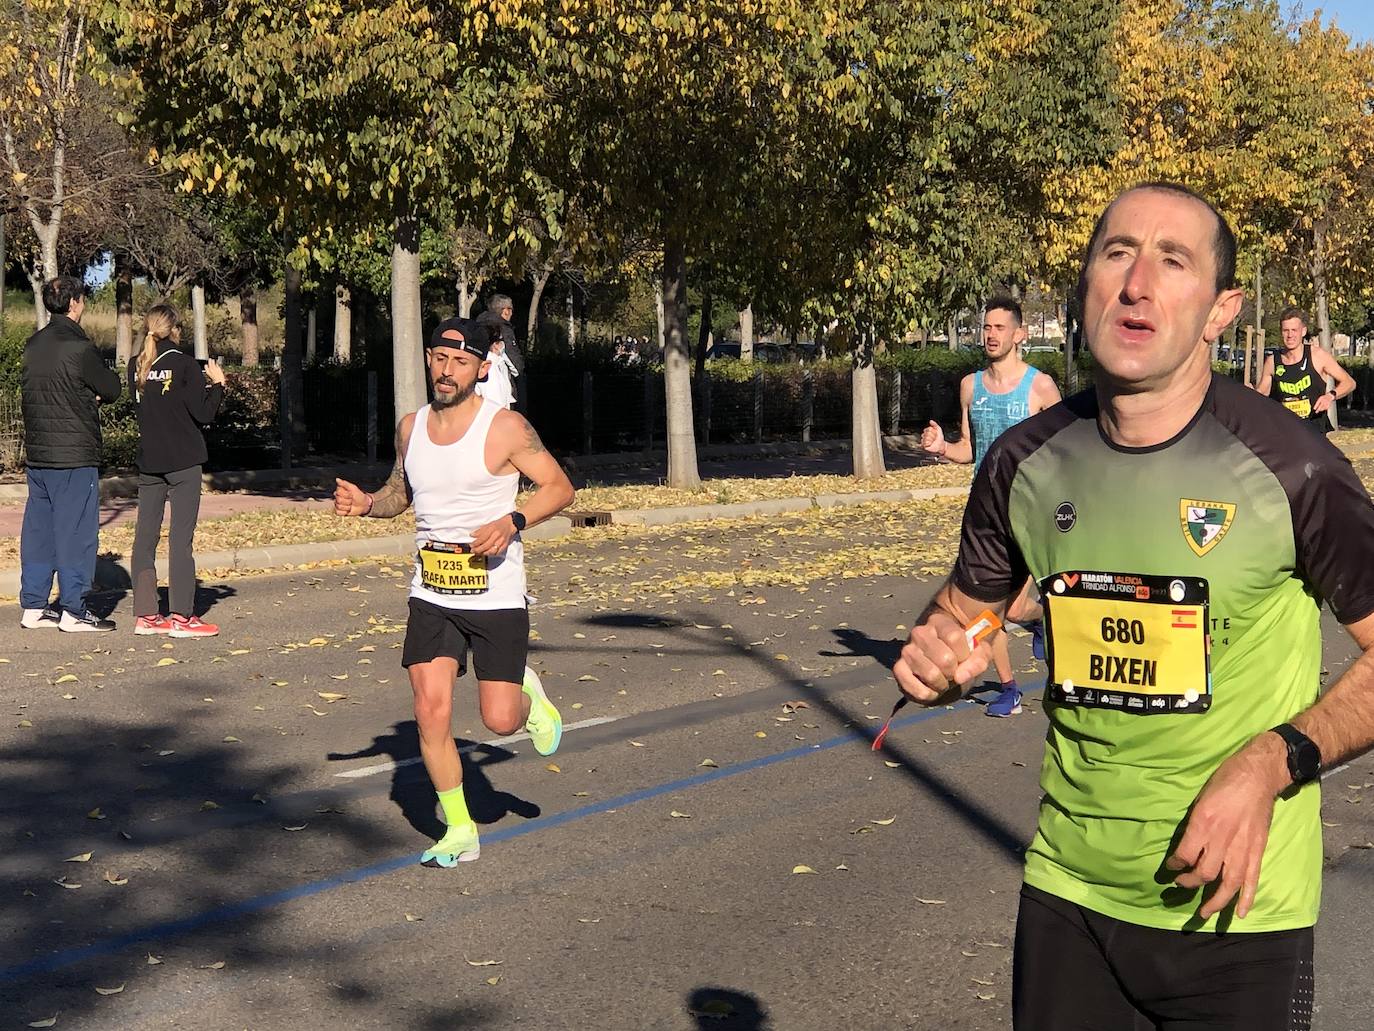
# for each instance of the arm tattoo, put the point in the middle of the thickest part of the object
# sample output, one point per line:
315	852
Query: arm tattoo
394	497
533	445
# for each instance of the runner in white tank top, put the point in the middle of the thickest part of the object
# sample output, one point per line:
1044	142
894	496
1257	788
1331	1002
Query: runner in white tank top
459	461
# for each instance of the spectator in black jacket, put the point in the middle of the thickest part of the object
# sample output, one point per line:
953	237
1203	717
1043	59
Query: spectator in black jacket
64	382
174	402
496	320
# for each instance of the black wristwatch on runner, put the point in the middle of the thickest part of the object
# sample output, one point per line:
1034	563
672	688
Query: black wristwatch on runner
519	521
1304	757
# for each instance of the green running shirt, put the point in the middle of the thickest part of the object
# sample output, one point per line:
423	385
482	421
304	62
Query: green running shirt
1265	519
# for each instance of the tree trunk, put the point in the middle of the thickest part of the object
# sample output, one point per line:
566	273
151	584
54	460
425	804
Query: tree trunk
292	381
746	333
1319	282
202	343
1259	321
952	329
343	324
572	320
466	294
408	376
677	379
541	280
40	313
312	329
124	308
867	431
248	314
658	314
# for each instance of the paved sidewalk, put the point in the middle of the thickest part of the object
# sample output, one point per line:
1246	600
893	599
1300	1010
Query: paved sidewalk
218	505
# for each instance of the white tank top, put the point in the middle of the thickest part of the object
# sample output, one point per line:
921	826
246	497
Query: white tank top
454	493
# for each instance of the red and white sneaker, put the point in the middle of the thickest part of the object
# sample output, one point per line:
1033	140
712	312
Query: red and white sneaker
152	625
192	627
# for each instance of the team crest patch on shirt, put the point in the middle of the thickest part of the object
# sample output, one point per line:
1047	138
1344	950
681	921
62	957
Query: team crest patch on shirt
1205	523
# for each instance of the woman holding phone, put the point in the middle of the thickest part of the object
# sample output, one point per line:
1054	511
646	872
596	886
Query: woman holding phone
174	402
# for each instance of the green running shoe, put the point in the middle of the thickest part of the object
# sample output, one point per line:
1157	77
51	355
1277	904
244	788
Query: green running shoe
458	845
545	725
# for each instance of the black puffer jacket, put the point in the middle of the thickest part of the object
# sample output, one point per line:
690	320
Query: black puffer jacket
63	378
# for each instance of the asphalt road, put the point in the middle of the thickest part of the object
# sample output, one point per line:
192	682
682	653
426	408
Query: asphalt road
253	809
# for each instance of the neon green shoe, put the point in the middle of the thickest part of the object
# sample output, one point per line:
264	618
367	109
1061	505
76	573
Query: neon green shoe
458	845
545	725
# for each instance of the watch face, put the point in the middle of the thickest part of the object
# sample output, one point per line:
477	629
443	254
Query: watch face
1306	761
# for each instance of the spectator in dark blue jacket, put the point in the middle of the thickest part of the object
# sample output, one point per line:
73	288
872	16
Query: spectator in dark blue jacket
64	382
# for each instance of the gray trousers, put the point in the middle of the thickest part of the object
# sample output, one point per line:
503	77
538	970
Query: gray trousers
154	490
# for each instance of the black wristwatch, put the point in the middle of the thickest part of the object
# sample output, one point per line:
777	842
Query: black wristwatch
519	521
1304	757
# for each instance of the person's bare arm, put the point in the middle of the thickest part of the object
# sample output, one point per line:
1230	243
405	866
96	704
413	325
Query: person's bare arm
553	491
1266	379
394	496
1228	826
1327	366
933	437
1044	393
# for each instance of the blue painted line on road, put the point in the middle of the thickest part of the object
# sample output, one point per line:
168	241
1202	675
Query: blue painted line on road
257	904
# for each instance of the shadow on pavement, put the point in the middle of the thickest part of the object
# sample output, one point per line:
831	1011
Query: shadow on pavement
413	793
113	586
724	1009
176	850
862	646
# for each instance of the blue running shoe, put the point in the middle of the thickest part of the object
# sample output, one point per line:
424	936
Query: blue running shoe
1007	703
1037	632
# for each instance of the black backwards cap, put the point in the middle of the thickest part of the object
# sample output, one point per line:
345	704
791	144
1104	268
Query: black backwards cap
474	337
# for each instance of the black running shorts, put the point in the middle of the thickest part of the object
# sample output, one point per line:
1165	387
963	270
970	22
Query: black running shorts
499	639
1077	969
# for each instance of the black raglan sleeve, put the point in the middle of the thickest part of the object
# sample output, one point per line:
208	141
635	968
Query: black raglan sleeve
202	399
990	566
1333	528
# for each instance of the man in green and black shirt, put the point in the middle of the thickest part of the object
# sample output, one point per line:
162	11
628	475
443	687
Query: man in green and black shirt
1184	540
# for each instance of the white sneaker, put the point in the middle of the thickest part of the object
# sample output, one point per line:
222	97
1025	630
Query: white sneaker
40	619
88	622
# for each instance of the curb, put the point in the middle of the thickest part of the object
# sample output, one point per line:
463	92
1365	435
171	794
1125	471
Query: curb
126	486
113	574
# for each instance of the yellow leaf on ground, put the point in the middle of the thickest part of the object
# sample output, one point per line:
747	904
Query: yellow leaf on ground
153	961
108	991
113	878
588	678
230	739
554	768
494	981
930	902
680	816
95	814
294	826
760	733
66	678
217	965
890	764
331	696
483	962
885	823
412	918
50	1022
711	763
338	676
239	651
84	857
207	806
802	869
167	660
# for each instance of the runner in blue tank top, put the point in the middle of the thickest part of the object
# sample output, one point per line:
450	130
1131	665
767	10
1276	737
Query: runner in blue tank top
990	402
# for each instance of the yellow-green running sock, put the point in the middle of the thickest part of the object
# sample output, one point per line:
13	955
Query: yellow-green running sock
455	806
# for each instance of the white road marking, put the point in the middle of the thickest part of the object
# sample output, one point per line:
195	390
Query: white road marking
1332	773
369	771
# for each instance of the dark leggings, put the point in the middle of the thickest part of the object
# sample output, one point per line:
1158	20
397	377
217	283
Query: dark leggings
154	490
1077	970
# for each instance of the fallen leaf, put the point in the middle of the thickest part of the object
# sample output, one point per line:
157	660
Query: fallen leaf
802	869
884	823
483	962
709	762
588	678
95	814
113	878
207	806
66	678
338	676
760	733
217	965
581	794
166	660
930	902
637	744
108	991
50	1022
62	882
331	696
554	768
230	739
890	764
239	651
680	816
84	857
411	918
153	961
987	996
494	981
587	920
295	826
